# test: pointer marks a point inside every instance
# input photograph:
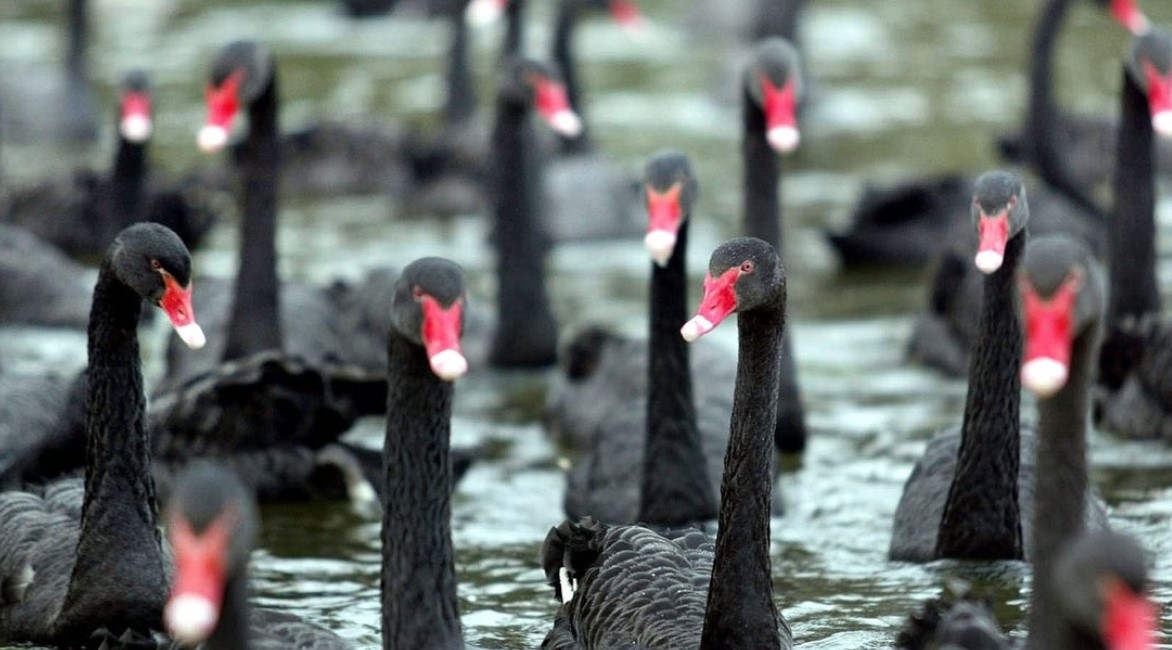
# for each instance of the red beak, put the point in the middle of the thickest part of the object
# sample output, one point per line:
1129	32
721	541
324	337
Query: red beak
664	216
176	303
134	122
193	609
1159	99
441	338
781	122
1049	336
553	106
223	104
1127	13
993	231
626	14
720	300
1129	619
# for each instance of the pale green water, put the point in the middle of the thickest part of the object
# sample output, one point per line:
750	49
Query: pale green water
897	89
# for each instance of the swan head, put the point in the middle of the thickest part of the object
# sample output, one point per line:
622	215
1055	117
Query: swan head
1101	582
1061	300
999	211
773	81
540	86
152	260
1149	67
744	274
669	189
134	118
428	310
241	73
211	525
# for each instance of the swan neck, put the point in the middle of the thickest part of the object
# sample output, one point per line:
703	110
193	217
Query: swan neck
1061	492
514	44
1134	288
676	489
78	39
762	174
740	611
255	320
460	104
128	184
119	542
526	333
982	519
419	608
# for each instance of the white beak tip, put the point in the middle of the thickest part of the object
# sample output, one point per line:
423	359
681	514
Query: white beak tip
136	128
1044	376
449	365
695	328
783	139
1162	123
660	244
481	13
192	335
567	123
212	138
988	261
190	619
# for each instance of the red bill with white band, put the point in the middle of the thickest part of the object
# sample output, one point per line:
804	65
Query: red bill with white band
1049	336
781	122
993	232
720	300
663	215
223	104
553	106
441	338
197	594
176	303
134	121
1159	99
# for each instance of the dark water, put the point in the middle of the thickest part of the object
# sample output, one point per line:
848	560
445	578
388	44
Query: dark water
897	89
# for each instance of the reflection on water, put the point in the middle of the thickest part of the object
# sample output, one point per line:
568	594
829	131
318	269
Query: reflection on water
896	89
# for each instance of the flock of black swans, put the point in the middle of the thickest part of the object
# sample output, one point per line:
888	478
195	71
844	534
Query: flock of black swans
135	492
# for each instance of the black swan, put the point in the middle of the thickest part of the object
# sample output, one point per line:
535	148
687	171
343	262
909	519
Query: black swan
1133	366
73	569
1087	585
526	331
54	109
588	197
904	224
419	606
1083	153
603	369
772	87
649	461
213	524
81	214
279	390
630	586
971	493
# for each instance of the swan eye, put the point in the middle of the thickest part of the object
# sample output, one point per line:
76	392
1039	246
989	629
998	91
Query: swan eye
156	264
417	293
747	267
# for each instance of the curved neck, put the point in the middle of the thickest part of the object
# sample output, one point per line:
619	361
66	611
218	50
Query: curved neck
1134	288
981	517
762	173
419	608
128	183
740	612
526	333
460	105
675	490
255	321
563	55
1061	492
233	630
119	542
